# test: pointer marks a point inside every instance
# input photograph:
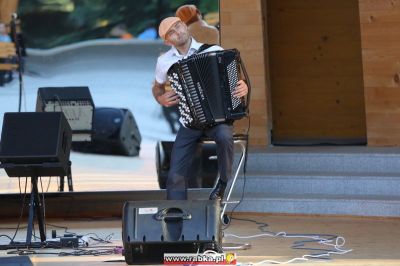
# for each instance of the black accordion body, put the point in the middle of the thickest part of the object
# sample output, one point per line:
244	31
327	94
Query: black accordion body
205	83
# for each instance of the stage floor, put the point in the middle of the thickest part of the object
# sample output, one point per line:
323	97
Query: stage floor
373	241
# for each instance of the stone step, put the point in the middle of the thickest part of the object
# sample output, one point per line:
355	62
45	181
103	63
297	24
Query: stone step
328	159
345	183
388	206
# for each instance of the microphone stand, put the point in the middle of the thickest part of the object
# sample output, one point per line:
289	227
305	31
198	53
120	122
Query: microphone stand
19	56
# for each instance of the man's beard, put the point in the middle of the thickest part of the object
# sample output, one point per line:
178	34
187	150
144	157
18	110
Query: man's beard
183	40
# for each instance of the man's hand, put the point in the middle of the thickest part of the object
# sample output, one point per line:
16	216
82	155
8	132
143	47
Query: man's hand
241	89
169	98
164	97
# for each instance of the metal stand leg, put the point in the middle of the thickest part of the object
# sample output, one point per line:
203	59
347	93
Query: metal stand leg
61	186
69	180
224	217
69	177
242	144
35	206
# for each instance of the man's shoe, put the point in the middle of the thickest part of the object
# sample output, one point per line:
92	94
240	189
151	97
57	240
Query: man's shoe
218	191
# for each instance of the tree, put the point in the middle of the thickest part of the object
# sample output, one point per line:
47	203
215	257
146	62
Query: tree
49	23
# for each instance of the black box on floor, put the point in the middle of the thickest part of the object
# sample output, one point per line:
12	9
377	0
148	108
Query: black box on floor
69	242
203	171
152	228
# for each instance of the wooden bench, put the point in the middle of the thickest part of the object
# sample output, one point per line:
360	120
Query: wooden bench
7	54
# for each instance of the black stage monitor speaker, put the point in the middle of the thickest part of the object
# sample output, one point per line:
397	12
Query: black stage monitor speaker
35	138
152	228
75	102
203	171
115	132
16	261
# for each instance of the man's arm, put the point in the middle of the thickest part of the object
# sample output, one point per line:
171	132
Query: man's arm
164	98
158	90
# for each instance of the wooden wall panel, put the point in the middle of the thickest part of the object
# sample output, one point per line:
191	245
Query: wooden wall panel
315	71
380	38
242	28
7	7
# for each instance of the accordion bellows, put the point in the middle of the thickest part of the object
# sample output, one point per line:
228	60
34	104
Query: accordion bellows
205	83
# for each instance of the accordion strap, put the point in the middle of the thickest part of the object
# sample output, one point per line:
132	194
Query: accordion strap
247	79
203	47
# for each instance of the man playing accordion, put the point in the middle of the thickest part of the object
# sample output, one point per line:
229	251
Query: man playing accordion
175	33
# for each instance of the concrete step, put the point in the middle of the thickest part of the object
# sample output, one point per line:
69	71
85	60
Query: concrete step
325	159
320	180
327	183
388	206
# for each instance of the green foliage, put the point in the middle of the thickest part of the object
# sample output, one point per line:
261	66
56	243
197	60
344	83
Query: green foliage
50	23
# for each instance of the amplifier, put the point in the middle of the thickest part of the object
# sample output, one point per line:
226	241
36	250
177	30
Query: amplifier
75	102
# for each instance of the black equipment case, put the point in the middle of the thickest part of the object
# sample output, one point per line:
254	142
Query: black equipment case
152	228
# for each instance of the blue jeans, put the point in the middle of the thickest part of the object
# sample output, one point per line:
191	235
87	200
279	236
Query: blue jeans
183	153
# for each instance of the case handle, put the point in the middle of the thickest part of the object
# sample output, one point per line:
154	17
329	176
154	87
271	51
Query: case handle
172	214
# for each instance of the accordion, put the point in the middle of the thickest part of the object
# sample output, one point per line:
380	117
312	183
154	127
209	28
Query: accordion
205	83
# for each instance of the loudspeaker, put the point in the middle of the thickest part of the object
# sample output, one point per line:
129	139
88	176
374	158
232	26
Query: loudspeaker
16	261
152	228
203	171
114	132
35	138
75	102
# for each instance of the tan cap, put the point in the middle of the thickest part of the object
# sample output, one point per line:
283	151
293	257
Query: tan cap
166	24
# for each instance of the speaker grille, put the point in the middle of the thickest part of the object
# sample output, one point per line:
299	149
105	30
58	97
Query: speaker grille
26	136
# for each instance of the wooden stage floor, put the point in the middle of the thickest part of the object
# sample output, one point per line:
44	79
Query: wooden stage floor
373	241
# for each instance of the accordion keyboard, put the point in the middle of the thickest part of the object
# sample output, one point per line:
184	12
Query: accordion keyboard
233	80
183	106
